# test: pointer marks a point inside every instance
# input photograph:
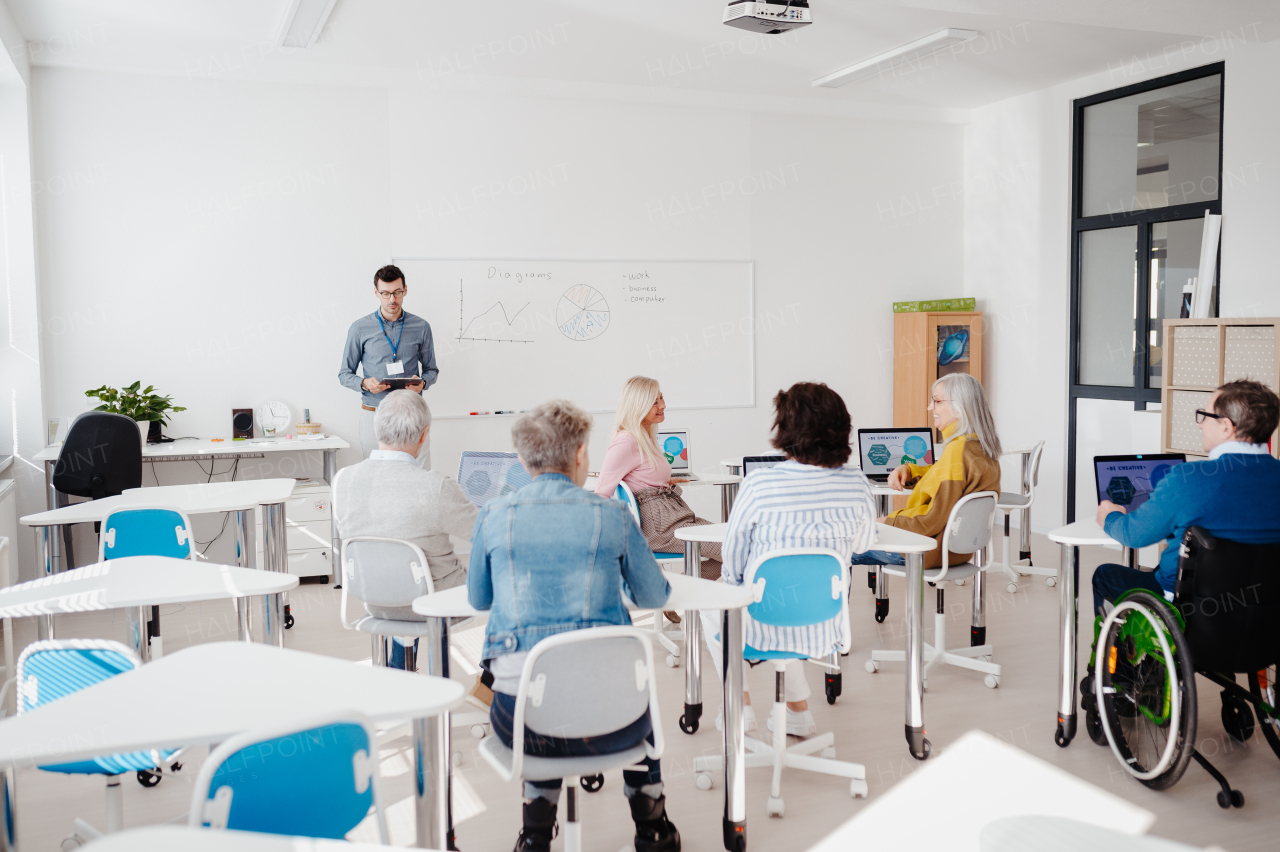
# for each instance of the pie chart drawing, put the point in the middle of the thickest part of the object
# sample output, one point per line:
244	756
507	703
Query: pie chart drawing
582	313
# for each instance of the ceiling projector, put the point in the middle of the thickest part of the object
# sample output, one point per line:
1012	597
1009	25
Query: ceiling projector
769	18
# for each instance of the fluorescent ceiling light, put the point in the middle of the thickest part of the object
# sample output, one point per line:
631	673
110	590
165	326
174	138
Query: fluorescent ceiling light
940	40
303	21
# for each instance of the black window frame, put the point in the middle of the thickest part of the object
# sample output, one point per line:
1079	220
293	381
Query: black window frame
1139	394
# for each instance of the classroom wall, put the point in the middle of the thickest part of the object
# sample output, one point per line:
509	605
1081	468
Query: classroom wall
1017	240
218	246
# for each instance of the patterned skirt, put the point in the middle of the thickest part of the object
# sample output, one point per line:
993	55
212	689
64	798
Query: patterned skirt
662	512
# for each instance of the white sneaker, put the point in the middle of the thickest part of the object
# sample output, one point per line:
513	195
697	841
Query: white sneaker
748	719
798	724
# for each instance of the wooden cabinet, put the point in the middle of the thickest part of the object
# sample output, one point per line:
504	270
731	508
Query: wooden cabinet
1201	354
927	346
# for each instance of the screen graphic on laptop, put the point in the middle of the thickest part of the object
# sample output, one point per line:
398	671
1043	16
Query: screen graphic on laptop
882	450
675	447
484	476
1129	480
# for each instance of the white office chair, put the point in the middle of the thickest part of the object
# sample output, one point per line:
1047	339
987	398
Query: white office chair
1021	502
673	562
968	531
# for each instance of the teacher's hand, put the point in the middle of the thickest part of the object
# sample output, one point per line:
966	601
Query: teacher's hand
373	385
898	479
416	387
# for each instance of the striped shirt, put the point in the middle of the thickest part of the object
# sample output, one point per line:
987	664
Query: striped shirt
798	505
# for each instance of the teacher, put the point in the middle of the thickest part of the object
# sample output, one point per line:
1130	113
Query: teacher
390	343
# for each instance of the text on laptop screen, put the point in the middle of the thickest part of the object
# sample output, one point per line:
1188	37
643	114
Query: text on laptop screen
675	447
484	476
885	449
1129	480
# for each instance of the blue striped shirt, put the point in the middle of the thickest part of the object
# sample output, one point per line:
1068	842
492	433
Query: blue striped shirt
798	505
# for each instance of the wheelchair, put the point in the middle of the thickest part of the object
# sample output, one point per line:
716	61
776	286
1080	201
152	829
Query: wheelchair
1139	695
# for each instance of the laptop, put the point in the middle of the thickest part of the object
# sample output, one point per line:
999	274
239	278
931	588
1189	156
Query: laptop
882	450
675	446
752	463
1129	480
484	476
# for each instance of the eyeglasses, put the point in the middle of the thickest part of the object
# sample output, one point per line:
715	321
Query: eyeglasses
387	294
935	401
1201	414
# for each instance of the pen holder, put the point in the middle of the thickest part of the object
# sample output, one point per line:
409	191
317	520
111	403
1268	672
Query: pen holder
307	428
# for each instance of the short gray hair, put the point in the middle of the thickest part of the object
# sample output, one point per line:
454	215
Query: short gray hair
401	418
548	437
973	415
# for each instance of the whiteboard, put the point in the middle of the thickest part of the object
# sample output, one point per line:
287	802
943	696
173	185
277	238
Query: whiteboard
510	334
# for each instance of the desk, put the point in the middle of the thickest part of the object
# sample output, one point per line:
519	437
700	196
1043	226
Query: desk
728	483
687	593
199	498
172	838
134	583
209	693
1072	537
197	449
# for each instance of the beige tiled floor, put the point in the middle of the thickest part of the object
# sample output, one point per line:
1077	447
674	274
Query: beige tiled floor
867	720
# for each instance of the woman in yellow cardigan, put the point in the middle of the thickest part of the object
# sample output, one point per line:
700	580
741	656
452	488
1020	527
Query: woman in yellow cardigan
969	463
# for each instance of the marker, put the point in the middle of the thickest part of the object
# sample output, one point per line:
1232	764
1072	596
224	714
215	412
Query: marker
480	412
504	412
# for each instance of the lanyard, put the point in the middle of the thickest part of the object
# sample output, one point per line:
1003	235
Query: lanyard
394	348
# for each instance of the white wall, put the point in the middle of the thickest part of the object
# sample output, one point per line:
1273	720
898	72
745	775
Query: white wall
1017	238
216	238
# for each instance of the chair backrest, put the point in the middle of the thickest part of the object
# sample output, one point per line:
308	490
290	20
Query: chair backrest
623	493
146	531
969	526
101	457
385	572
314	777
798	587
1034	467
1229	597
54	668
585	683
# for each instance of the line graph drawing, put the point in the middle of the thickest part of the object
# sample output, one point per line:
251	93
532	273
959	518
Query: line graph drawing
582	313
462	330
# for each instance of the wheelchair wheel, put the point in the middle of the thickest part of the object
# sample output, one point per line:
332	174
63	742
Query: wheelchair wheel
1263	686
1145	690
1237	717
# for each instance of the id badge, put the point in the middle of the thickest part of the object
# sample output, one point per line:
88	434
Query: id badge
395	368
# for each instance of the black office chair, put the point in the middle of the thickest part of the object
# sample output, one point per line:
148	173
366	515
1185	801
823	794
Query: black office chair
101	457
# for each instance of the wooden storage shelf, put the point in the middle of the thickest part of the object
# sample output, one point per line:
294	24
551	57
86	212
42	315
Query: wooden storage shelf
915	359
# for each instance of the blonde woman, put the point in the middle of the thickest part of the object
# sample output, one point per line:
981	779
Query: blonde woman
633	457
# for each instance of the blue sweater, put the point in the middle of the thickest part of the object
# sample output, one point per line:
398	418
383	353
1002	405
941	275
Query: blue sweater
1236	497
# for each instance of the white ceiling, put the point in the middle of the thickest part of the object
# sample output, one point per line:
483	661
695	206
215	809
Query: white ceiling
659	49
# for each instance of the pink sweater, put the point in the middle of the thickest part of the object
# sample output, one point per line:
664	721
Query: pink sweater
623	463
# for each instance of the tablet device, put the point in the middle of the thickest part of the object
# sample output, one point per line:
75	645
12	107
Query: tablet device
398	382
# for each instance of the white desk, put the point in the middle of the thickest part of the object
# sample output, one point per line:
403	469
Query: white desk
198	498
975	781
136	582
1071	537
689	593
172	838
209	693
728	483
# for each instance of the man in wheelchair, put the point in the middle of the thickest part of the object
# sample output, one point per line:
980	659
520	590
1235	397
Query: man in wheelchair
1212	607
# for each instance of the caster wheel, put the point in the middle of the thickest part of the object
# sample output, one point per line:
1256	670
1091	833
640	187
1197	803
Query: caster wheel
592	783
882	610
1012	588
775	807
1237	799
1237	718
829	752
477	732
288	621
74	841
831	699
858	788
872	666
456	759
991	681
702	780
1224	802
924	686
688	727
672	662
959	582
1093	727
175	767
1051	581
148	778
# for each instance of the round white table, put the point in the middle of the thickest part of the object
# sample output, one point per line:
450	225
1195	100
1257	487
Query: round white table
174	838
687	593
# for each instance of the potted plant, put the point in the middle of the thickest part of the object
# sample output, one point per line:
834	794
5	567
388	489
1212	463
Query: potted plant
142	406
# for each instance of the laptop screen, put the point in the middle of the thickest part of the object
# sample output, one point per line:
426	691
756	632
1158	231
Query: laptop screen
1129	480
882	450
750	463
484	476
675	446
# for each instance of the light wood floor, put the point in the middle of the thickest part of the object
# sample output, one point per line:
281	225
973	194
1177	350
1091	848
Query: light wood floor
867	721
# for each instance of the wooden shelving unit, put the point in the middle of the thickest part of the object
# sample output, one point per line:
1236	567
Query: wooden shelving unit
1200	355
916	341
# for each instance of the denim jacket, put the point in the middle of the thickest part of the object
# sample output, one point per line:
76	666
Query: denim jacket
553	557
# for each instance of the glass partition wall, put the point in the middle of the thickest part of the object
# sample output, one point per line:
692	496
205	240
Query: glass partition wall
1146	167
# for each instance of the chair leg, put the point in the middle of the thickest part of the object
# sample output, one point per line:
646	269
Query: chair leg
775	805
978	627
572	827
115	805
379	656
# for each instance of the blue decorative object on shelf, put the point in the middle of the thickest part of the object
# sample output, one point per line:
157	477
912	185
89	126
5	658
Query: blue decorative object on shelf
953	347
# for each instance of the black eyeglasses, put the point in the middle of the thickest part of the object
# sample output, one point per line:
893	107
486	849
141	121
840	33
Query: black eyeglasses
1201	414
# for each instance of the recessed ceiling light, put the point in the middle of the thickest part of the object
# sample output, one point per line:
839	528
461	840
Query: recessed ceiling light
898	56
303	21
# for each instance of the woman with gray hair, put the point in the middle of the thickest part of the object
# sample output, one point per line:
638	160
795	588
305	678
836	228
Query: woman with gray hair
550	558
969	462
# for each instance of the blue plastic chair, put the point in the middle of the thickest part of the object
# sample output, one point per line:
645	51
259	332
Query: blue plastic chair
315	777
797	587
54	668
674	561
147	531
